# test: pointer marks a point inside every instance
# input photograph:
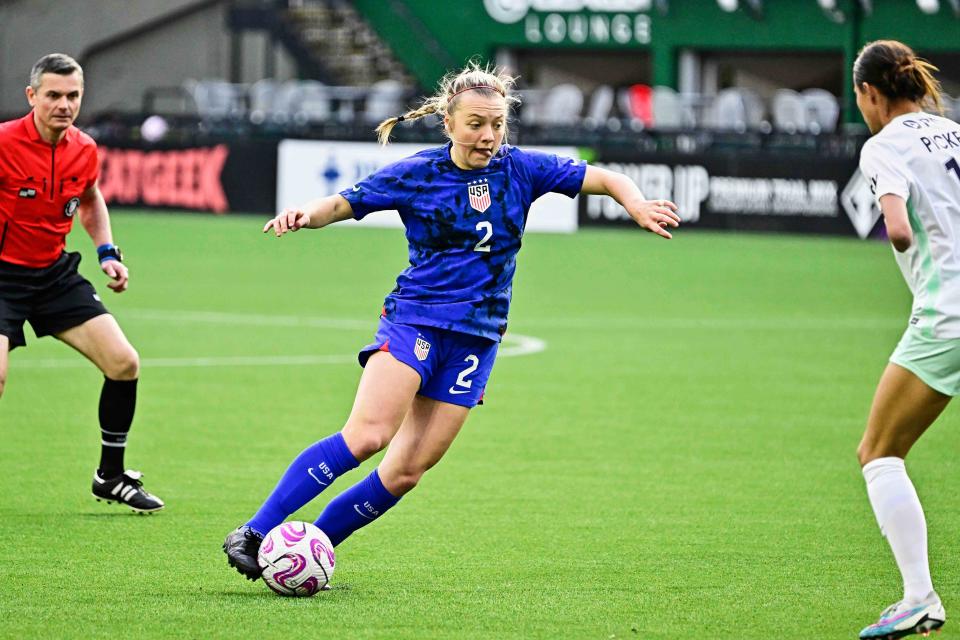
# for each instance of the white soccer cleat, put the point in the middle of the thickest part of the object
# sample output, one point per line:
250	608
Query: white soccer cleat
904	619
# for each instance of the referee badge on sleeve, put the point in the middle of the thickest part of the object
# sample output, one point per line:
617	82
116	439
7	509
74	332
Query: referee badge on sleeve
71	207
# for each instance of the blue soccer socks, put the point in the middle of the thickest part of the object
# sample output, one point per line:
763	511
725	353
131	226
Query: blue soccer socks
310	473
356	507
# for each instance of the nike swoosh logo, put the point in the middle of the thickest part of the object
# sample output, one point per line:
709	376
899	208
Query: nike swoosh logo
357	509
356	188
310	471
457	392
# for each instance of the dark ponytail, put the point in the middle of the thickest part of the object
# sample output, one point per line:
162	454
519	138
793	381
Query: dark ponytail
896	72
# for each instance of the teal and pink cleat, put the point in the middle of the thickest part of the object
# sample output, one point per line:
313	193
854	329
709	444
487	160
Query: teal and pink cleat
904	619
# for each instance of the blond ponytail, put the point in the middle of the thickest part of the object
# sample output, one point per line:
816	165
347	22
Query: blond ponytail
488	81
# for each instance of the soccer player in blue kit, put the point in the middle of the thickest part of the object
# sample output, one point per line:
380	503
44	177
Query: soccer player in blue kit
464	206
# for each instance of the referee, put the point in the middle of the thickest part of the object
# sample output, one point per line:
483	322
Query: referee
48	175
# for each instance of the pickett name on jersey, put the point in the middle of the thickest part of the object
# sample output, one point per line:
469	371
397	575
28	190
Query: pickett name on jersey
938	141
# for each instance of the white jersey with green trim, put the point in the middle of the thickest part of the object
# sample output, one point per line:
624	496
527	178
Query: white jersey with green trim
917	157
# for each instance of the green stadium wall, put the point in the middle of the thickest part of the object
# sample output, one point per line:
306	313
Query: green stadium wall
432	36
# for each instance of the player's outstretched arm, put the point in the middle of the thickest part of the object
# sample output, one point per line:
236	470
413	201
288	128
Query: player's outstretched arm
94	217
313	215
653	215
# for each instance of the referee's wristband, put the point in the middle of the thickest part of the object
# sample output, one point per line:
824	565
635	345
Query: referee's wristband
109	252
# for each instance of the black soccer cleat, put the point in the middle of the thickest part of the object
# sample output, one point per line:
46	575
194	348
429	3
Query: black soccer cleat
126	488
241	546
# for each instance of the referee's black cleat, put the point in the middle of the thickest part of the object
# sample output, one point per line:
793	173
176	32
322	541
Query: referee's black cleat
241	546
127	489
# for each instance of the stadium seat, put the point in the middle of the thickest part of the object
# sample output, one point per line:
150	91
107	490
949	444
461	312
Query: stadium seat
285	102
531	102
822	110
635	103
385	100
736	109
756	110
789	111
601	104
668	108
216	99
313	103
262	96
562	104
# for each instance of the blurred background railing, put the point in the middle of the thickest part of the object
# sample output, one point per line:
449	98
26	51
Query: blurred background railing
749	90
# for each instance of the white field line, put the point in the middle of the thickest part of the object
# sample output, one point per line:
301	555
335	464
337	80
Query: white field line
513	344
215	317
213	361
767	323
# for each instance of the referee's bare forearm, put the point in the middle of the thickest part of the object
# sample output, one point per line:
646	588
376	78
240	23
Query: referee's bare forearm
94	216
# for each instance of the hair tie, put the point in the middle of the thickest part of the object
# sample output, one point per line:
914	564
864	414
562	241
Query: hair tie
400	118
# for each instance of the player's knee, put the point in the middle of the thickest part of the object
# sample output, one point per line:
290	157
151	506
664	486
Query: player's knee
863	454
365	438
409	474
405	480
3	382
125	366
868	451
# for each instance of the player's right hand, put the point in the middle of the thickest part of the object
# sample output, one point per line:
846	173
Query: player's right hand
289	220
655	215
118	273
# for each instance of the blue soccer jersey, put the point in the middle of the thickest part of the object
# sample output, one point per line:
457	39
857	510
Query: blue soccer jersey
464	229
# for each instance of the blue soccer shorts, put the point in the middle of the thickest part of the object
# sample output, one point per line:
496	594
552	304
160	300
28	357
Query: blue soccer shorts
454	367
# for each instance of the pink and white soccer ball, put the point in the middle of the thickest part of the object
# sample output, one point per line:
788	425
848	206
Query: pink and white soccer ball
296	559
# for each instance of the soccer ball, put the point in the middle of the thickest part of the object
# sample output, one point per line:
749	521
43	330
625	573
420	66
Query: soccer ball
296	559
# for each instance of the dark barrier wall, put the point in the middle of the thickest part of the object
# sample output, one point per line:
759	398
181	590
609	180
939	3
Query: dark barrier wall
764	191
771	192
220	178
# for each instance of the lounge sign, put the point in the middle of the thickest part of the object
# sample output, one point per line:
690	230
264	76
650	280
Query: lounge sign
620	22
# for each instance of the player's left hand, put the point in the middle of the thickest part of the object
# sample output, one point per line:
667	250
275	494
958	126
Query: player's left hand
118	273
655	216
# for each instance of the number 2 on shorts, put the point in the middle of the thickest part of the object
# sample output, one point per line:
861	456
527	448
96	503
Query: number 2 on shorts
462	378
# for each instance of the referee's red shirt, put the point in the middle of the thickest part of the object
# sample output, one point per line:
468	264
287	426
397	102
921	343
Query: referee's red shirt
40	189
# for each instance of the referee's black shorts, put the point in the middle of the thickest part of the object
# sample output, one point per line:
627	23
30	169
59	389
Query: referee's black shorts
53	299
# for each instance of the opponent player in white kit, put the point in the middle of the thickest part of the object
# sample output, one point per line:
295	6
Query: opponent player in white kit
913	165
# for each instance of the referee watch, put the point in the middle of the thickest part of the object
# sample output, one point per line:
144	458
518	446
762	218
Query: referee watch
109	252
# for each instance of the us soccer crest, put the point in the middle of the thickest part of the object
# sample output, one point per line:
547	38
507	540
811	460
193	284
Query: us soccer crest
421	349
479	192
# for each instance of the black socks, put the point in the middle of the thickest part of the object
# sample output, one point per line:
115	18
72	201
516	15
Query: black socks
118	399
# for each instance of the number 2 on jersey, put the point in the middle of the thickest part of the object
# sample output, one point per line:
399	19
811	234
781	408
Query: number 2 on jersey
487	227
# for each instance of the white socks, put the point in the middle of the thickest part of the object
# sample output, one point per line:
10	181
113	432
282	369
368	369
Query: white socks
901	520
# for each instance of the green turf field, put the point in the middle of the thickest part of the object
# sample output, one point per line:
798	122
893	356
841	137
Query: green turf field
678	462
